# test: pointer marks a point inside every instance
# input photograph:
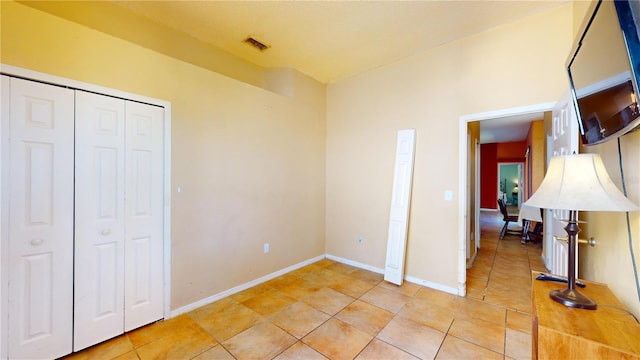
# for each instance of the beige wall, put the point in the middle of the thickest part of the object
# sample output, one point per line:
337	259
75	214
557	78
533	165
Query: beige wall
604	53
514	65
250	163
139	30
610	260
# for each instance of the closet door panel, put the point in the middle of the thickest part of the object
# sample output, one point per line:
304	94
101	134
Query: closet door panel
40	240
99	244
144	206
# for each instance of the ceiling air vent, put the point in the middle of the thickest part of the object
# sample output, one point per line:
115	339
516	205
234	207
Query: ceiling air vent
256	43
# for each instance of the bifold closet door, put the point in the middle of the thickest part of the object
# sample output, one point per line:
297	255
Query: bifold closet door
144	214
99	227
119	203
64	296
40	220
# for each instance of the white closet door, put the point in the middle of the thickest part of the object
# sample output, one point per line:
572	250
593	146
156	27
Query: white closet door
99	237
400	204
40	220
144	206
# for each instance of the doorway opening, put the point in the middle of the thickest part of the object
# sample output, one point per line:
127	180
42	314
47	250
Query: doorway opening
510	183
501	121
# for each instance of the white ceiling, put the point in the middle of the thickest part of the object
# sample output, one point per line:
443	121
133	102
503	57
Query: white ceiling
332	40
507	129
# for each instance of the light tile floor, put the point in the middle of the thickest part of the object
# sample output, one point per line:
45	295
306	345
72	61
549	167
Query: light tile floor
331	310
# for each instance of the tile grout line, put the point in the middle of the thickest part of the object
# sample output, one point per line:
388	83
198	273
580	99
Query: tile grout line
445	337
493	263
495	259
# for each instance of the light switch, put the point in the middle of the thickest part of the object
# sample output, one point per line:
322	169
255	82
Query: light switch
448	195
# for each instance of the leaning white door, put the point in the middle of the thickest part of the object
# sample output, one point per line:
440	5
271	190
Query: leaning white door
143	209
564	137
99	236
40	219
400	202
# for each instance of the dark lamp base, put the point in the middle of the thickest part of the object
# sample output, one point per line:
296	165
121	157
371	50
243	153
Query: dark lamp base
572	298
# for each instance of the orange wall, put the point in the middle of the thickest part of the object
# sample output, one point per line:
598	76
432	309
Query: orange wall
511	151
535	163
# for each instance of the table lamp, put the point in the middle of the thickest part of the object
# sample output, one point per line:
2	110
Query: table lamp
577	183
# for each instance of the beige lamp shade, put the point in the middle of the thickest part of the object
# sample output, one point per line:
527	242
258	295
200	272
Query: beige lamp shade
579	182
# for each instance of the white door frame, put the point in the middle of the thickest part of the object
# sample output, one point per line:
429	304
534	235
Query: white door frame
462	177
477	192
4	255
467	223
52	79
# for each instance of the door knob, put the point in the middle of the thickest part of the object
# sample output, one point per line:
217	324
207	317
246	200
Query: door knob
105	232
36	242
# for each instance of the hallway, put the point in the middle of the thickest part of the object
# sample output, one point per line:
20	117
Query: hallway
501	273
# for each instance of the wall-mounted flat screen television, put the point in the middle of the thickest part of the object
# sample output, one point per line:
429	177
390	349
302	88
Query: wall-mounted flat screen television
603	71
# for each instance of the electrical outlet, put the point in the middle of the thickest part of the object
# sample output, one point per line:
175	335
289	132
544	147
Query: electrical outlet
360	239
266	248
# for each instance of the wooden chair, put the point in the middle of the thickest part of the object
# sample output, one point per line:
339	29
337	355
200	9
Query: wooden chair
507	219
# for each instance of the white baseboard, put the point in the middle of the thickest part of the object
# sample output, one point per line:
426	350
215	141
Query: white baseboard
431	285
408	278
237	289
355	264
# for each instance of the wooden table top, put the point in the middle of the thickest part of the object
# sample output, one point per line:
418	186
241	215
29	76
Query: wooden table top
609	324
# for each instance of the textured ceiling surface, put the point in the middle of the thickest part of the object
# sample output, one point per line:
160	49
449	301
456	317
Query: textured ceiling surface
331	40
